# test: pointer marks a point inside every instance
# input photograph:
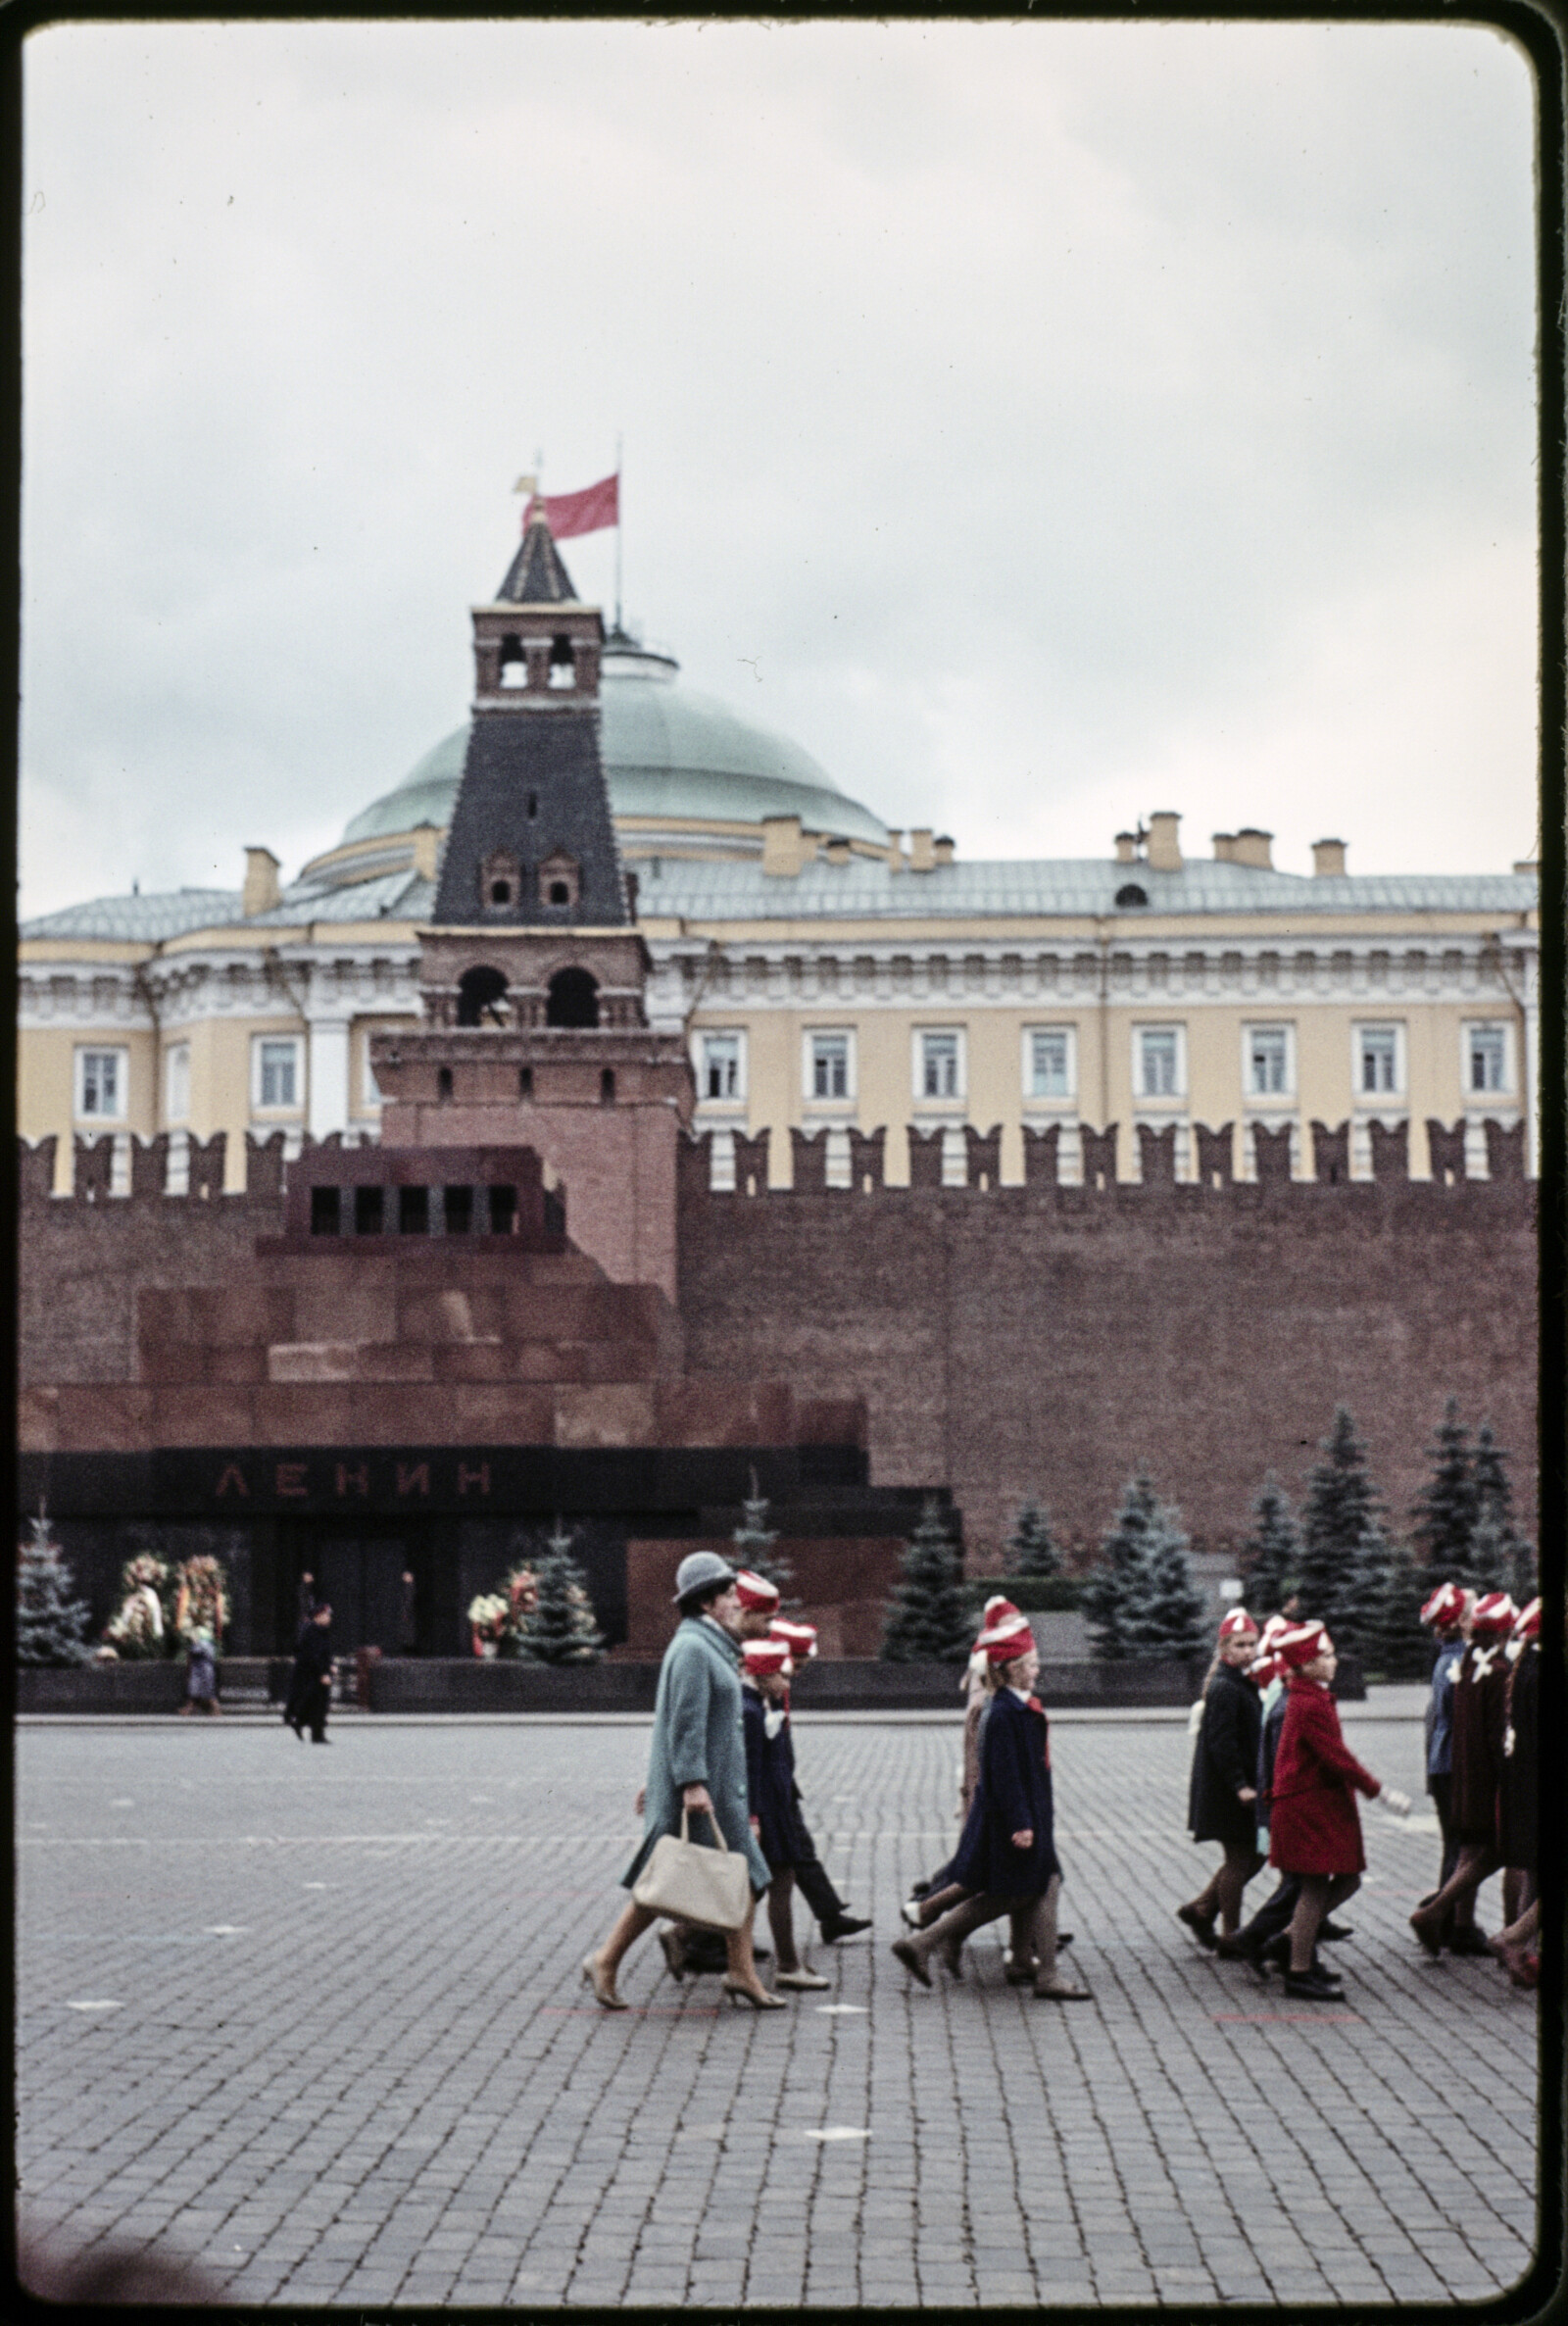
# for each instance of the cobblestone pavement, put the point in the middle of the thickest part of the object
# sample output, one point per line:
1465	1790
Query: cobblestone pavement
318	2024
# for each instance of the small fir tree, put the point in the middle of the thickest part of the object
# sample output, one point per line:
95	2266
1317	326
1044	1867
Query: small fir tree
1444	1514
1361	1605
560	1628
1271	1553
753	1542
1399	1648
1486	1563
1140	1599
1030	1546
1341	1515
51	1625
928	1621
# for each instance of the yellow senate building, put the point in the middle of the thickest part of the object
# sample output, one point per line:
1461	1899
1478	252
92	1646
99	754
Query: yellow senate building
835	975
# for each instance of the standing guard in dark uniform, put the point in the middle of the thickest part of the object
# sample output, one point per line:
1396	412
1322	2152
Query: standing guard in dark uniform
310	1688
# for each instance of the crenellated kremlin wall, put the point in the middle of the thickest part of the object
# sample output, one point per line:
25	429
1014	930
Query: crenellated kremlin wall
1006	1340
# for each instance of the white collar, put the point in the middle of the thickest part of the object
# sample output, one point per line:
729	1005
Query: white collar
1022	1694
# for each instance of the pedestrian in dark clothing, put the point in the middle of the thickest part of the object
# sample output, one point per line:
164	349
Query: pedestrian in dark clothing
310	1688
1519	1808
409	1617
770	1789
1006	1855
1222	1802
1480	1717
305	1600
1263	1940
811	1879
1448	1614
1315	1831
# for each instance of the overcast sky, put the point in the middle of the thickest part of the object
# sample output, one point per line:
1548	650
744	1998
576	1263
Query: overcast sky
1043	424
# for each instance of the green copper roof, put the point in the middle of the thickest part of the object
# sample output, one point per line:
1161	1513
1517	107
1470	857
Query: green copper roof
666	750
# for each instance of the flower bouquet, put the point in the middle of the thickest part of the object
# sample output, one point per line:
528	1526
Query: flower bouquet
489	1620
201	1601
521	1589
142	1627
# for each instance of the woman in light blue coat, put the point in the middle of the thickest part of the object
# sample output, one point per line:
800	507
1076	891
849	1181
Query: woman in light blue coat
696	1762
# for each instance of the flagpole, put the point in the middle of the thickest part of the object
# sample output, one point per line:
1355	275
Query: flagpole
617	531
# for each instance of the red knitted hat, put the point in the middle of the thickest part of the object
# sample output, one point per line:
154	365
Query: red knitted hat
1492	1617
1445	1607
755	1591
995	1610
760	1657
1236	1622
1265	1669
1299	1645
1527	1623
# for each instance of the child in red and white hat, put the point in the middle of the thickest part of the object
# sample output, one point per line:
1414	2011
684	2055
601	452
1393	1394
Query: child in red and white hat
1314	1829
810	1876
1447	1615
1480	1718
1517	1947
765	1672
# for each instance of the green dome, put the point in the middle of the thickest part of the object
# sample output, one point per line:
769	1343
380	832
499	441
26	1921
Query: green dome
667	751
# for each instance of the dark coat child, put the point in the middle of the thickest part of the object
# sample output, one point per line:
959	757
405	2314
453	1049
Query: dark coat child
1480	1717
1013	1796
1225	1760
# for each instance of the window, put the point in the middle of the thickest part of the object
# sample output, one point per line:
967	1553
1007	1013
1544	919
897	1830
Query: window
1268	1061
1158	1061
1377	1059
101	1078
939	1075
719	1067
829	1073
1048	1068
177	1081
1485	1058
276	1077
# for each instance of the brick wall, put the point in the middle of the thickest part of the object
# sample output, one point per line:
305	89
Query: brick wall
1044	1338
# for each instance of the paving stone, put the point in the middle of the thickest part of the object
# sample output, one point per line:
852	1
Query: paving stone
476	2132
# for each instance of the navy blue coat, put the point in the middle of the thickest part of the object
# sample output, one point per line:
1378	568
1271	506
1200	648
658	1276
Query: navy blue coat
1013	1794
770	1784
1225	1760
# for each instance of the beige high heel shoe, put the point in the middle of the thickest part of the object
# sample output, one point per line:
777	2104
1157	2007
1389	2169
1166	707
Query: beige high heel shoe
757	1997
603	1985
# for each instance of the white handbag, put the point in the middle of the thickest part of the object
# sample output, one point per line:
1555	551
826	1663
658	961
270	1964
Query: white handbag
712	1888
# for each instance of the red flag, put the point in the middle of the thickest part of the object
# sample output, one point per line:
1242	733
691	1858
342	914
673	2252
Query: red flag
588	512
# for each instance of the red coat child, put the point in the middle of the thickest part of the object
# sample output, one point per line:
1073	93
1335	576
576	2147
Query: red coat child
1314	1826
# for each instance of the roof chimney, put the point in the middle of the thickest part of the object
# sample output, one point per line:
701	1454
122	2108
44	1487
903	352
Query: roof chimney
1126	848
837	851
922	855
942	849
426	849
784	849
1328	858
1164	849
1253	848
260	891
1224	848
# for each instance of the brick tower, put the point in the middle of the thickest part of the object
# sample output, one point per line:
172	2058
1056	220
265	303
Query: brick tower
532	972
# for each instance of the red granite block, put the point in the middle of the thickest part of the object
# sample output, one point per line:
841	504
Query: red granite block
346	1300
163	1316
312	1412
198	1415
165	1362
400	1414
105	1417
621	1414
550	1313
227	1315
38	1421
395	1361
620	1360
500	1414
244	1363
472	1361
831	1421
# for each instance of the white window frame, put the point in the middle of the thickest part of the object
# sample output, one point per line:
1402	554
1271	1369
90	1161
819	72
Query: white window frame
939	1101
810	1037
176	1083
719	1033
80	1086
1505	1089
1145	1100
277	1109
1068	1034
1262	1100
1376	1102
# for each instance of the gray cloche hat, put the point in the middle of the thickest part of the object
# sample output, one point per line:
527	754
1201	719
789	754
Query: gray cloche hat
699	1570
